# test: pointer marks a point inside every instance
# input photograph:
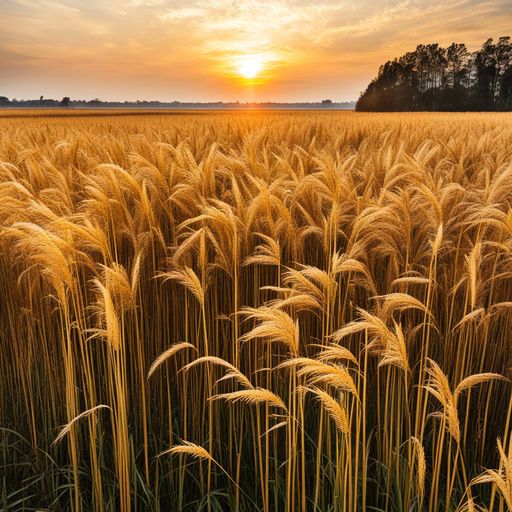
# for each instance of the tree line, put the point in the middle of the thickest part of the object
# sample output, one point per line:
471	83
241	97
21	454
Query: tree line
435	78
66	102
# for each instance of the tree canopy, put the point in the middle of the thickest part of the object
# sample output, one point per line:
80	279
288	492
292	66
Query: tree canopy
435	78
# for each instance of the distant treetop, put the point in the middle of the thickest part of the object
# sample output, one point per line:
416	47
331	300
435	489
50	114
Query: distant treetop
436	78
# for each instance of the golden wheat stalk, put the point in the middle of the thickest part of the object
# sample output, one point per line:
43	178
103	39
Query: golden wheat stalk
334	409
274	325
502	477
188	278
318	372
66	428
439	387
112	330
187	448
233	371
253	396
421	466
474	380
177	347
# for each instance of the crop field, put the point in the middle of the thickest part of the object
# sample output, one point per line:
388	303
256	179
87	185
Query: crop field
255	311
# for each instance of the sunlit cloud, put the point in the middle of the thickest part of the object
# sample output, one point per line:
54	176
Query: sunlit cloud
182	13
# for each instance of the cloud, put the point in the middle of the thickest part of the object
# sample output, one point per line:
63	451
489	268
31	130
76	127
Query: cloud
183	13
146	3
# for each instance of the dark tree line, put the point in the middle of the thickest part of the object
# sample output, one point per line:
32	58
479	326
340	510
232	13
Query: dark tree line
436	78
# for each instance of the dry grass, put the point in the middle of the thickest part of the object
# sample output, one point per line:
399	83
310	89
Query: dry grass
314	306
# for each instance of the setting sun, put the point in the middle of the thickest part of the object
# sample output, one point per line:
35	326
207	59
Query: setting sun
249	66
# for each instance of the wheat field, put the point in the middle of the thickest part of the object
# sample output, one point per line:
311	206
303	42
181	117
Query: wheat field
253	311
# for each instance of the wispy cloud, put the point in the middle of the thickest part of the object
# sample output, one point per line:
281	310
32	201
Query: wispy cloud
183	13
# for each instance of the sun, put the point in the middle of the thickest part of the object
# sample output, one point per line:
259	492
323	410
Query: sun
250	69
249	66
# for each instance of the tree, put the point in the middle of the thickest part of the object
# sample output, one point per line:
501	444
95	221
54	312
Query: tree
458	65
503	70
65	102
485	67
436	78
4	100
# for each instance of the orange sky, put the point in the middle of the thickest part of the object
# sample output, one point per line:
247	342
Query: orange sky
198	51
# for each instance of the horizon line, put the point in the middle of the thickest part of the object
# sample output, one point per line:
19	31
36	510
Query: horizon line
188	102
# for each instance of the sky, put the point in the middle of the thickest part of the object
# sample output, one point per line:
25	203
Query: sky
223	50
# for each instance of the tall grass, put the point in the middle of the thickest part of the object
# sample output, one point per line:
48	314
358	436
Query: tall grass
256	311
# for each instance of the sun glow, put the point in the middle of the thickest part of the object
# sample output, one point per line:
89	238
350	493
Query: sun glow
249	66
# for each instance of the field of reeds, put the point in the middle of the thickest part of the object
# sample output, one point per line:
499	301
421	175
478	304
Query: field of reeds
256	311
